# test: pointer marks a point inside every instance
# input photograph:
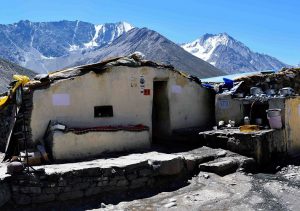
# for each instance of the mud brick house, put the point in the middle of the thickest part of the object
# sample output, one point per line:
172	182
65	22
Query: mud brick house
116	105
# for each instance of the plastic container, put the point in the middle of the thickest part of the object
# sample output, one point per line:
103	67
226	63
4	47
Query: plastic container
286	91
246	120
274	118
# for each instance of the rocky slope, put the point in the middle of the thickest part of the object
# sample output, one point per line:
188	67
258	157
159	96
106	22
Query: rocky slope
230	55
7	70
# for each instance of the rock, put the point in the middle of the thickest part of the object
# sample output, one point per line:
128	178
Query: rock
43	198
221	166
41	77
290	175
145	172
123	182
221	153
70	195
169	205
4	194
171	167
93	191
139	182
138	56
21	199
80	186
241	169
131	176
54	190
206	176
62	182
103	205
172	200
190	164
31	190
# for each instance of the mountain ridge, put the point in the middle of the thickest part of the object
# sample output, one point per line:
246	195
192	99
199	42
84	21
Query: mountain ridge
230	55
155	47
49	46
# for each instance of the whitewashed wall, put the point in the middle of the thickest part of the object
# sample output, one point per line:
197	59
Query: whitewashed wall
72	101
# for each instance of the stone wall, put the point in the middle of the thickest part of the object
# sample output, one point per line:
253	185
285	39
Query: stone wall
5	193
264	146
144	171
41	188
27	110
5	120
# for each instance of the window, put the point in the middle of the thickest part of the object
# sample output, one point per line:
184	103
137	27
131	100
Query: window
103	111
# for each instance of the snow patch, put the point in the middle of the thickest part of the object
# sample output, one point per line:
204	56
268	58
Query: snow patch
205	49
127	26
73	47
47	58
75	31
93	42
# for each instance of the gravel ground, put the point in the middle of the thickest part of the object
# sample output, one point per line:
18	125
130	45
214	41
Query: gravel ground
237	191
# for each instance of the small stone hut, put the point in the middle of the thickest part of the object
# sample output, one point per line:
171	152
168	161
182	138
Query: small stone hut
117	105
267	143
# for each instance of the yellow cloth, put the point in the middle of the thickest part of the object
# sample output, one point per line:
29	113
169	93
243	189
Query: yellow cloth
249	128
3	100
21	81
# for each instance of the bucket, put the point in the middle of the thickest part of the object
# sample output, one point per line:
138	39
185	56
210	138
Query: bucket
274	117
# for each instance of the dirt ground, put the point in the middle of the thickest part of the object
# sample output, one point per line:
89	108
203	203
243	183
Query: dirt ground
237	191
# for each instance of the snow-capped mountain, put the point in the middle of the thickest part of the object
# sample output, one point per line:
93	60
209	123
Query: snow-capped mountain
49	46
230	55
34	44
154	46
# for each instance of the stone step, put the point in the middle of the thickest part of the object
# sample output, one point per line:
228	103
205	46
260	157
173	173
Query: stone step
226	165
220	166
201	155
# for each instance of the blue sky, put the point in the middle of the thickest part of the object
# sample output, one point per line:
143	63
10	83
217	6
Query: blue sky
266	26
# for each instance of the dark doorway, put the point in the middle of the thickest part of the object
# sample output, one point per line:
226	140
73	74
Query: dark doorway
160	111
